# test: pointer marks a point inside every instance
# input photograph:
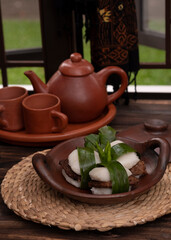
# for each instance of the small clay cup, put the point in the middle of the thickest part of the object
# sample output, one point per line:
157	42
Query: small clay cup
42	114
11	117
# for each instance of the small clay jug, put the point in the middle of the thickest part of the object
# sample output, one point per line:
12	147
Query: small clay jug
82	91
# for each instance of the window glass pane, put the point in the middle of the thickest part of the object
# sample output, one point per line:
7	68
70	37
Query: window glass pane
154	77
150	54
16	75
154	15
21	24
151	23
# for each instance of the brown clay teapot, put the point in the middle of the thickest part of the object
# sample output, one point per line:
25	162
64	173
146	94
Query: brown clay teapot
82	91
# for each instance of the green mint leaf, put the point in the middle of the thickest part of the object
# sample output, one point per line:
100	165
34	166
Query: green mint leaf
107	152
118	176
91	140
101	152
87	162
120	149
106	134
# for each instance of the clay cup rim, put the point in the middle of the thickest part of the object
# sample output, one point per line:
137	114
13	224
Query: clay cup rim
5	92
41	102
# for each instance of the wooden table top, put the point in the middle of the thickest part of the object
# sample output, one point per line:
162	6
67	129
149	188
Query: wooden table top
14	227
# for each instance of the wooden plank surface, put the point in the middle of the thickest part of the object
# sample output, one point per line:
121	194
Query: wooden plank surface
13	227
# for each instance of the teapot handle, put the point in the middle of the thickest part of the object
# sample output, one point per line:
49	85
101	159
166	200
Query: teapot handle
106	72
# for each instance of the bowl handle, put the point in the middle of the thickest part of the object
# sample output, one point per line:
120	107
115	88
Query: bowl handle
164	153
40	164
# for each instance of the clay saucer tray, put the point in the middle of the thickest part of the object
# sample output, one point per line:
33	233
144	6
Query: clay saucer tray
71	131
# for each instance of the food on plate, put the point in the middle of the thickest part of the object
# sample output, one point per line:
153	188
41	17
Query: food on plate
104	165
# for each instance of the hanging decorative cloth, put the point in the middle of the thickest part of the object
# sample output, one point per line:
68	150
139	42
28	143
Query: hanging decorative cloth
112	30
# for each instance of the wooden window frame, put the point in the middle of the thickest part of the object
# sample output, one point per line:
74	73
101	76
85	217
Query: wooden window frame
16	58
156	39
57	45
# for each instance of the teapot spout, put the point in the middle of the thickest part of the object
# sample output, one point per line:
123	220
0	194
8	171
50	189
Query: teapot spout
38	85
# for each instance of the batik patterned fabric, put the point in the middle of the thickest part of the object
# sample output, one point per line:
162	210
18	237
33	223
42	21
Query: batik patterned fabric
113	34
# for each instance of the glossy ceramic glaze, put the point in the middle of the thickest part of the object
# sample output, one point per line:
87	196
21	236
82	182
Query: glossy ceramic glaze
82	91
49	170
51	139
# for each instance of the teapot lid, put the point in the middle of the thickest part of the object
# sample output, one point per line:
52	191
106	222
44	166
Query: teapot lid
76	66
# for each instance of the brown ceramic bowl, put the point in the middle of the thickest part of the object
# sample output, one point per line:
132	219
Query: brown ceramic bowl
49	170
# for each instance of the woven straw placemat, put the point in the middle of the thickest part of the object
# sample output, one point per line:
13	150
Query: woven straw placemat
29	197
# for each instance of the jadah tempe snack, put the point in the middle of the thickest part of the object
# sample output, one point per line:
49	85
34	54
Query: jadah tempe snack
104	165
